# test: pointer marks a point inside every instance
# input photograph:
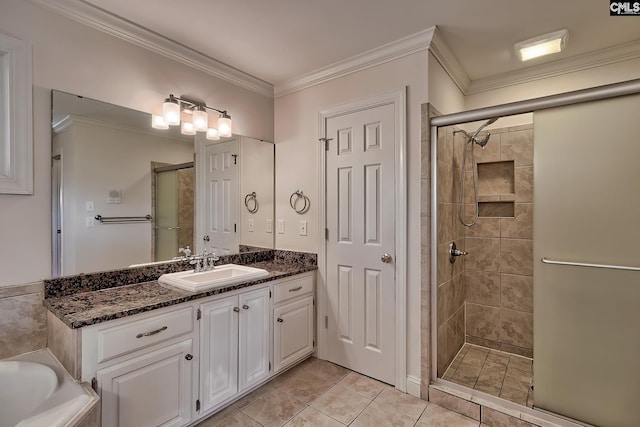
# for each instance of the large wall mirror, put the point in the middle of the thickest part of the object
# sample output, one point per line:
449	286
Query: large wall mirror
126	194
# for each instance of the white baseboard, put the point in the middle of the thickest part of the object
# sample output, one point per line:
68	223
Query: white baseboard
413	386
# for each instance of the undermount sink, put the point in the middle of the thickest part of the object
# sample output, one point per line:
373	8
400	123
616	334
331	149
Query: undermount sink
222	275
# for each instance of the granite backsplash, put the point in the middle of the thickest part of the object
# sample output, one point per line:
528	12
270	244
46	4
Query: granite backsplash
69	285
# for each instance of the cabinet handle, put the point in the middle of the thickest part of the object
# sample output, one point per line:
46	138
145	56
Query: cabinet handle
295	289
246	307
146	334
279	319
188	356
236	309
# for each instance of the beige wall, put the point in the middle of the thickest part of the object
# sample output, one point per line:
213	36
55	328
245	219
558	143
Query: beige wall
74	58
296	130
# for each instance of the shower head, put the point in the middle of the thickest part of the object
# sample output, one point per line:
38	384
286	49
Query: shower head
485	140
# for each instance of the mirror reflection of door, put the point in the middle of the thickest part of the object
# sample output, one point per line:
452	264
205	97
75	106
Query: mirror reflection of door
173	201
218	169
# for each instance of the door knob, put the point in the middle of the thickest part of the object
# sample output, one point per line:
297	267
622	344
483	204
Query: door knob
206	238
188	357
245	306
386	258
236	309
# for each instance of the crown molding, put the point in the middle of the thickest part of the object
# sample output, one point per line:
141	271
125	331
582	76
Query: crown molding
389	52
599	58
450	63
101	20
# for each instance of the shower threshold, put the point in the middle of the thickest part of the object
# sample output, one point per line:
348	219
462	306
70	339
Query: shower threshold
500	374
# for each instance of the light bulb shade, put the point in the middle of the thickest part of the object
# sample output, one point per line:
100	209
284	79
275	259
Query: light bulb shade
224	126
212	134
200	120
542	45
171	111
187	128
157	122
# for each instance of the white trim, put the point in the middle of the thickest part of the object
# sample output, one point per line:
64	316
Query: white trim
413	386
398	99
94	17
16	120
450	63
389	52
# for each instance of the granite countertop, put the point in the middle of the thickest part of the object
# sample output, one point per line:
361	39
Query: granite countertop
91	307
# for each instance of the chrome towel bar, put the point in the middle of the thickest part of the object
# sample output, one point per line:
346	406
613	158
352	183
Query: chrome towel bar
122	219
583	264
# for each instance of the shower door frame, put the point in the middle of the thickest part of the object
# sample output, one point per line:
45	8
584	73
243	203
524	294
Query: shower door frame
613	90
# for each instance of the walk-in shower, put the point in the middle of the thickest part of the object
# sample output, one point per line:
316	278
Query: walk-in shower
582	275
485	308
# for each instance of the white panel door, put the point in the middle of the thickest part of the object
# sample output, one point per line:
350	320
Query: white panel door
361	221
219	197
219	351
254	338
149	391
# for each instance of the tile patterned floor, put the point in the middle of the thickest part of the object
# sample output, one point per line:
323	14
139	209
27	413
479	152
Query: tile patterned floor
495	372
319	393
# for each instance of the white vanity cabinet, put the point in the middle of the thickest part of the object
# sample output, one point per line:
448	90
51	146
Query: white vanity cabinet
293	326
172	366
235	345
144	366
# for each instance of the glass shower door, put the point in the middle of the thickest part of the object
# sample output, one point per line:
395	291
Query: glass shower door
587	210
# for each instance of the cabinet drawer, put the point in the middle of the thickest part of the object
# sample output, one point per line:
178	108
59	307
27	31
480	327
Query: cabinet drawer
117	340
293	288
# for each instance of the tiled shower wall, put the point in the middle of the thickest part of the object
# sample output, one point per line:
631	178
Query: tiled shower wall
451	284
498	270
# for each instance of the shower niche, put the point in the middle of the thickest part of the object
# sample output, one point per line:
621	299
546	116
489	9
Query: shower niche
496	189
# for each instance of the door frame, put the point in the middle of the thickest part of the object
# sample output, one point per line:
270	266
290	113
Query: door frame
397	98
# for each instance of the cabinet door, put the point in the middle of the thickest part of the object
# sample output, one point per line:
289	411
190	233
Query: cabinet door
253	338
151	390
292	332
219	351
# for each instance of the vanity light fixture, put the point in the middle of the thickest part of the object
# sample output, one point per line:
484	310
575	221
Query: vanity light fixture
157	122
545	44
172	109
212	134
187	128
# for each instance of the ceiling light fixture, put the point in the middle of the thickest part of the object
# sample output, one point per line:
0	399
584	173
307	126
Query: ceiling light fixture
174	106
545	44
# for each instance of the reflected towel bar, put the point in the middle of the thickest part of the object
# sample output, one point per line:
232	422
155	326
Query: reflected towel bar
122	219
582	264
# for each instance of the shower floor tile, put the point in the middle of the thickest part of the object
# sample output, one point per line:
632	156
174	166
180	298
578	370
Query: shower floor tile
501	374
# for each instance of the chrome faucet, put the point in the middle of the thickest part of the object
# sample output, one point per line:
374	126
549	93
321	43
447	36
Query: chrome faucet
204	262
